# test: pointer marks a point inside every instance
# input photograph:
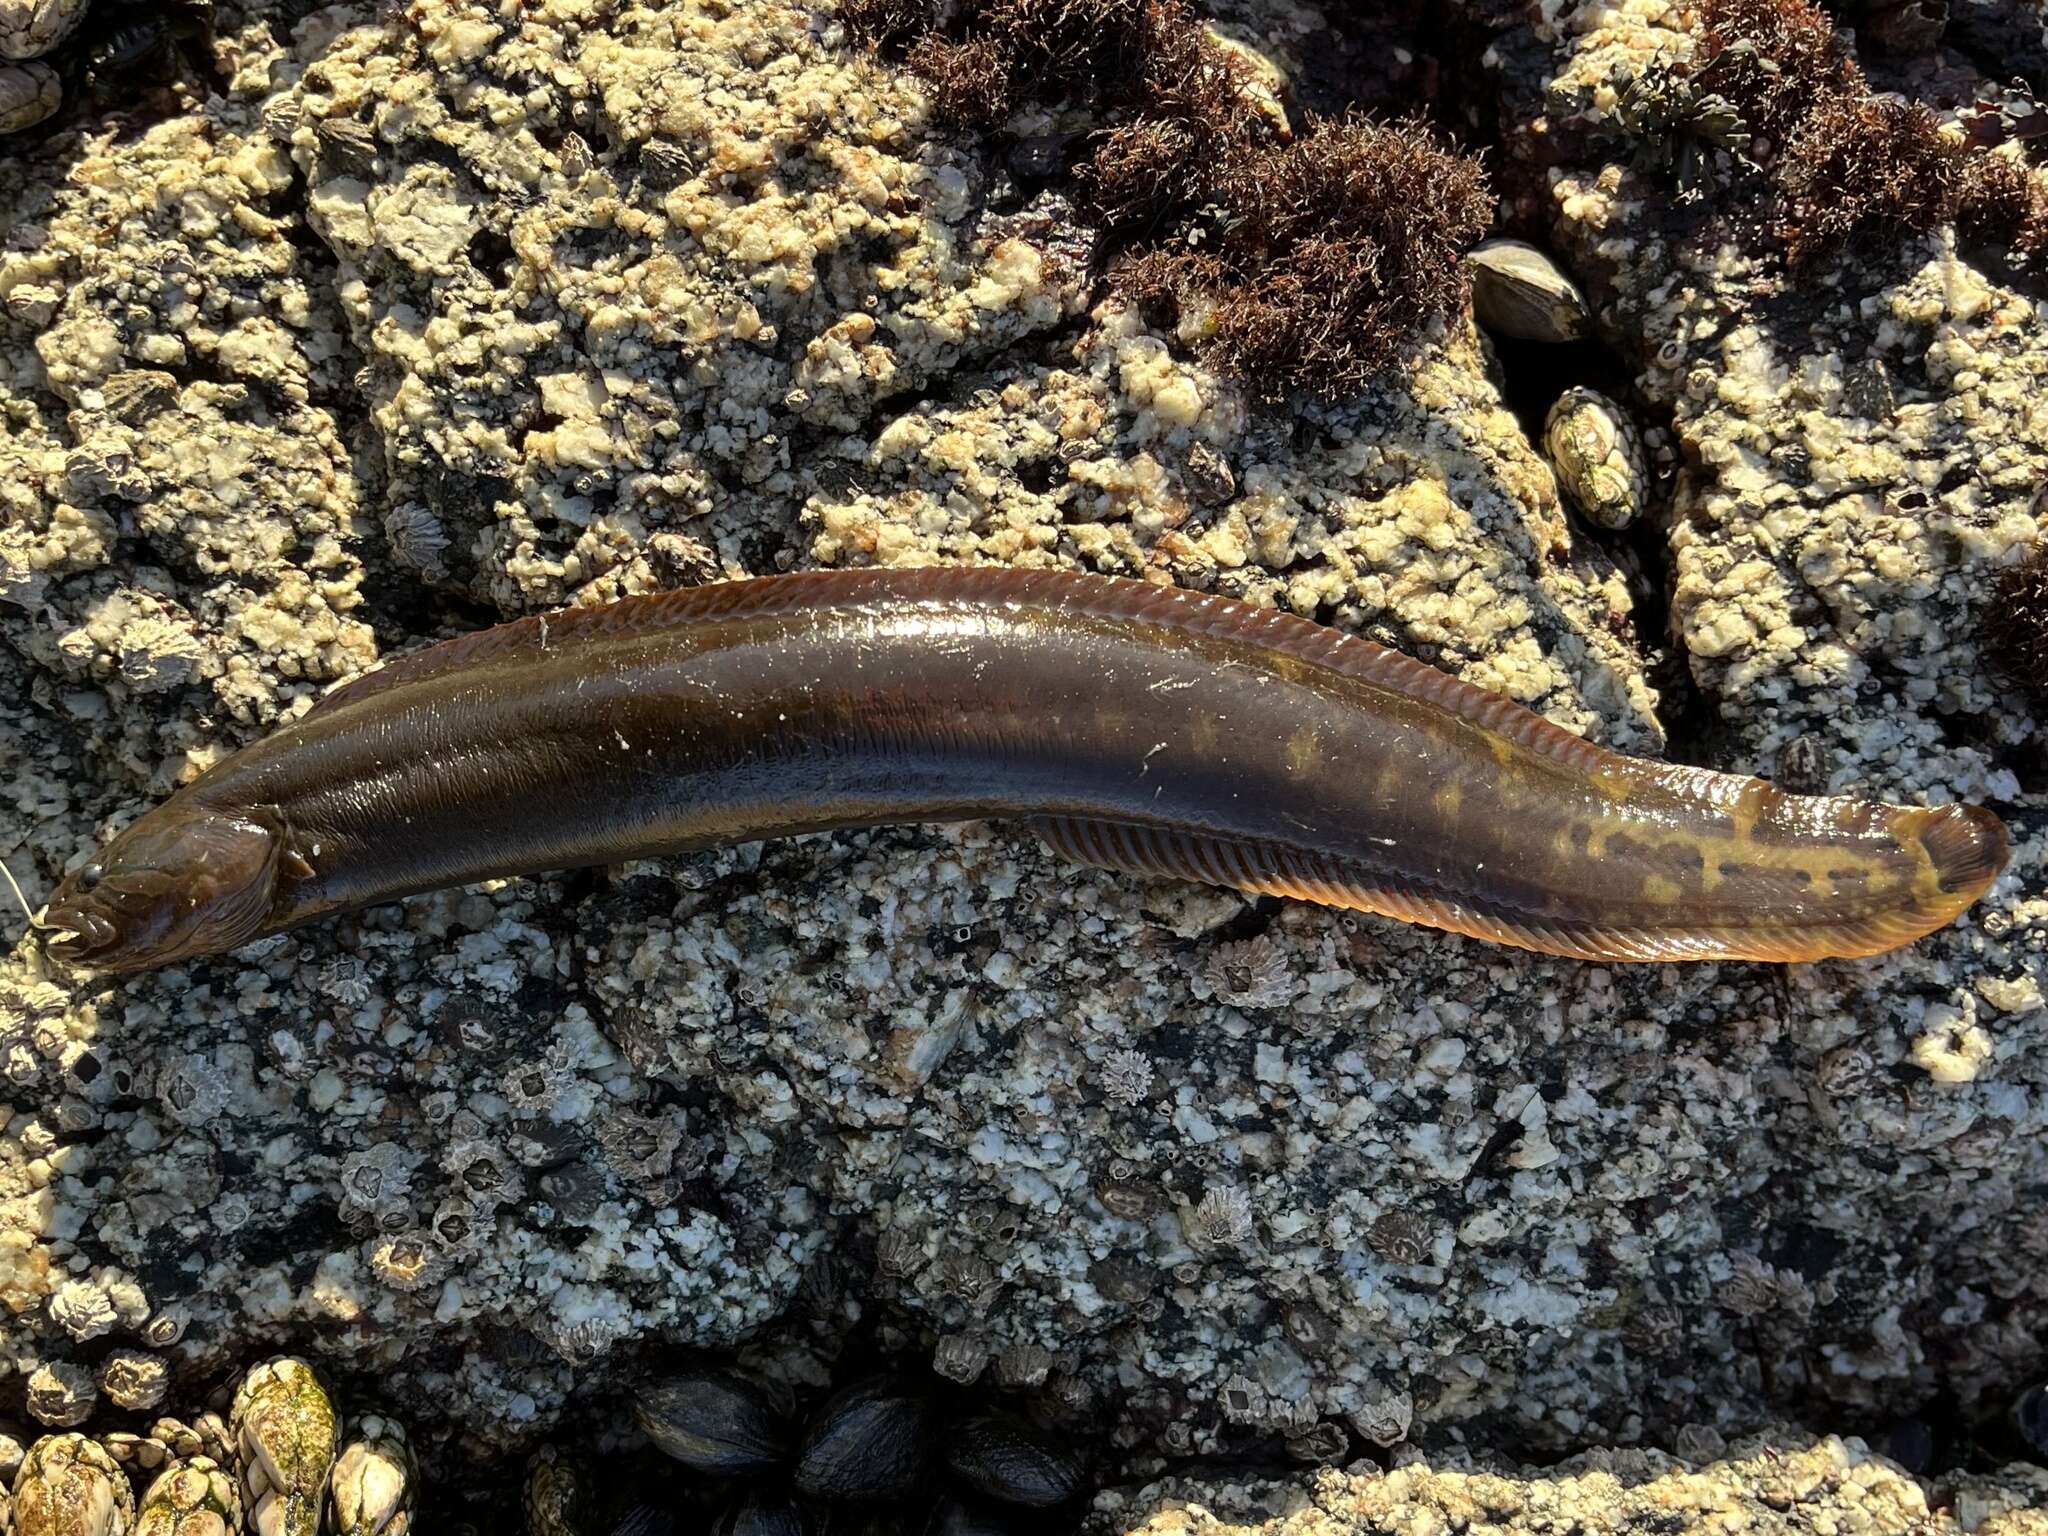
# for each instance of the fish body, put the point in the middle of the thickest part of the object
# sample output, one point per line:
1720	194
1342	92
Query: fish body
1145	728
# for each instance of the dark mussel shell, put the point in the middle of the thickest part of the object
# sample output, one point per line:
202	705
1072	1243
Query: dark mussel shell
955	1517
645	1520
1012	1461
717	1422
2030	1417
868	1443
763	1512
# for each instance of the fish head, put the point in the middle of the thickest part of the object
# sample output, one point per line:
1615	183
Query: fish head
184	881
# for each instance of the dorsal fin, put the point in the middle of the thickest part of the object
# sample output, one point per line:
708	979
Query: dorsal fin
1099	596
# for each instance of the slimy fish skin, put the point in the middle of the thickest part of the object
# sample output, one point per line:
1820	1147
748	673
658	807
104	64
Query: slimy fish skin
1162	732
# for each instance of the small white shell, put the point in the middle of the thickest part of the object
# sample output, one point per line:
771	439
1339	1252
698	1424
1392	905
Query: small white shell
29	92
31	28
1518	291
1598	458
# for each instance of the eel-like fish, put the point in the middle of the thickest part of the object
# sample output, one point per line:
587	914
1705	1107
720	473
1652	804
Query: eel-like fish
1144	728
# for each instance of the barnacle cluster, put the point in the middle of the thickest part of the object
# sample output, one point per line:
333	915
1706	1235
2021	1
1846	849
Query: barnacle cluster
279	1464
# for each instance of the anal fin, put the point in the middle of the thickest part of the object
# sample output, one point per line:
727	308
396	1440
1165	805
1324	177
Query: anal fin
1269	869
1264	869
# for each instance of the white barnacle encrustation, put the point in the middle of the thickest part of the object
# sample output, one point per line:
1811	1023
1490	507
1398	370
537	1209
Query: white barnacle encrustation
1126	1077
133	1380
69	1486
1598	457
405	1261
284	1432
82	1309
1249	973
60	1394
191	1090
374	1480
1222	1218
196	1497
376	1176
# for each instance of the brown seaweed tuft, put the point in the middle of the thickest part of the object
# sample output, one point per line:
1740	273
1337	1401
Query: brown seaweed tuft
1340	248
1313	262
1862	172
1774	59
2003	204
2016	624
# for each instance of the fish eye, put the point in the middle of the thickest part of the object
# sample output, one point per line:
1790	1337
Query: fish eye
88	875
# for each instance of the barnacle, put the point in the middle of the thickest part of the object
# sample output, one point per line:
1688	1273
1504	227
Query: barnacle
576	1190
194	1498
1385	1417
1755	1288
405	1261
133	1380
82	1309
61	1394
377	1175
346	979
1126	1077
641	1148
960	1357
191	1091
459	1227
373	1479
480	1171
535	1087
1249	973
1024	1365
1401	1237
1222	1218
284	1427
67	1484
418	537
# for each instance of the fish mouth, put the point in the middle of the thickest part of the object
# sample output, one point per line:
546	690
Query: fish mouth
75	933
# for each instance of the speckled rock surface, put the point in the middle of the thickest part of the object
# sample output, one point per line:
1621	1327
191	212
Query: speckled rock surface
1779	1483
474	313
